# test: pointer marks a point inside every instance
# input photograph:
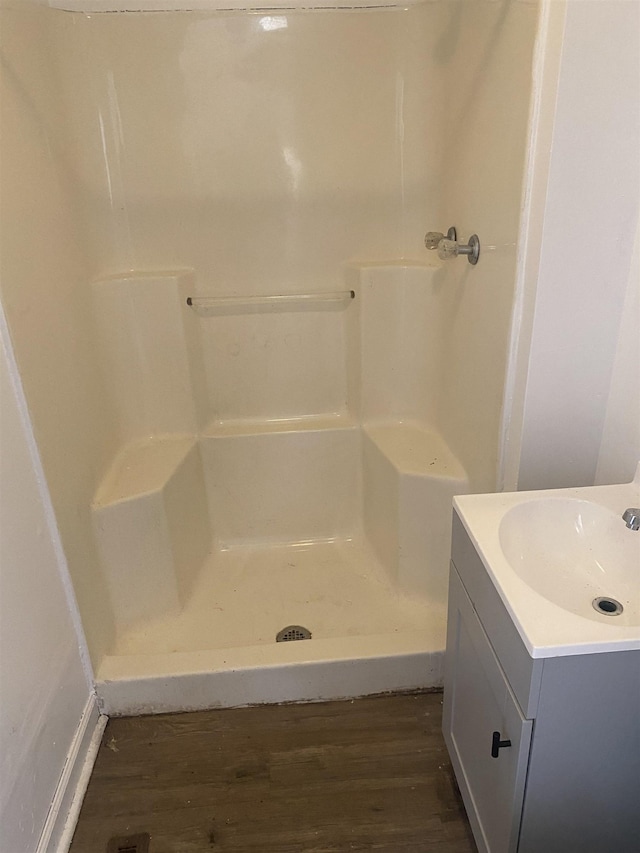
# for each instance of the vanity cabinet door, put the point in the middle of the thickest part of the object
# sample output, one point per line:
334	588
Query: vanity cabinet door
478	702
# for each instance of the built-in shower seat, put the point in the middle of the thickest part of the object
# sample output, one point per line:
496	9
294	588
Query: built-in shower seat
272	419
410	478
151	525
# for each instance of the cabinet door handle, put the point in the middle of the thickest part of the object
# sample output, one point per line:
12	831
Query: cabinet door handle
497	744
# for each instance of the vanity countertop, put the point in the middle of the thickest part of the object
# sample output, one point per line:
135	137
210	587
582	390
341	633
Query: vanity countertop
552	555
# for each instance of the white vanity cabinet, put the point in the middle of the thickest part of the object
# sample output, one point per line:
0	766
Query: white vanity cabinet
564	776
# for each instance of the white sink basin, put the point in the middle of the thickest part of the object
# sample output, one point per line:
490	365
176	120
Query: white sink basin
577	554
553	556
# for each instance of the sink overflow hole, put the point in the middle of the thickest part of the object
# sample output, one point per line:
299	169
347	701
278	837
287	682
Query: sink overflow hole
293	632
608	606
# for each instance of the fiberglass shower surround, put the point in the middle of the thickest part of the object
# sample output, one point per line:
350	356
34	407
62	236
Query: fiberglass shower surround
347	468
288	387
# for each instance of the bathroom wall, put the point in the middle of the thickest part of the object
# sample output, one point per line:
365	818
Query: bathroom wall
268	150
572	413
43	687
620	446
44	276
263	150
486	51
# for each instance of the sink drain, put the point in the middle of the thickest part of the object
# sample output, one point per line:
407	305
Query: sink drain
607	606
293	632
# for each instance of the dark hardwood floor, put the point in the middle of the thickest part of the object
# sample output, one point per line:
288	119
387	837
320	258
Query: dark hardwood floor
364	774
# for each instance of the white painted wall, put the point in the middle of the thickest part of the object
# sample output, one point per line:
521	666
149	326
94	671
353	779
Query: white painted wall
43	688
620	446
590	221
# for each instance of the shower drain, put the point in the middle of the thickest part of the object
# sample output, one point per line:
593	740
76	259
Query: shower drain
293	632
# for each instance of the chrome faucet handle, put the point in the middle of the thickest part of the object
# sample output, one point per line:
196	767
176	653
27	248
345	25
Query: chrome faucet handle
451	248
447	249
432	238
631	517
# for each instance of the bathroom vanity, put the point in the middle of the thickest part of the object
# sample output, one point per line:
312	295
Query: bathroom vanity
542	690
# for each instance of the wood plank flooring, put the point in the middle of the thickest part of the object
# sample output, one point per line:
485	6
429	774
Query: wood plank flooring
364	774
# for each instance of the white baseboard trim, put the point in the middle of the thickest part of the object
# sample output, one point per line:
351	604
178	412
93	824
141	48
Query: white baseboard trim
65	808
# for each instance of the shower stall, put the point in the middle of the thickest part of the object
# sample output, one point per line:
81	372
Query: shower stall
254	390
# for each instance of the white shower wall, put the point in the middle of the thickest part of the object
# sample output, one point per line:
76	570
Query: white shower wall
44	276
489	54
244	154
263	150
341	445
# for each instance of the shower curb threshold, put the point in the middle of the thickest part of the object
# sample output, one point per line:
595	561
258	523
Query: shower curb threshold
317	670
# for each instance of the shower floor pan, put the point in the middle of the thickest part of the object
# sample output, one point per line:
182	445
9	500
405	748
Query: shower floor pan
197	620
221	650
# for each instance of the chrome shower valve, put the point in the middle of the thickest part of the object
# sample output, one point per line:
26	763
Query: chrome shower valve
433	238
448	248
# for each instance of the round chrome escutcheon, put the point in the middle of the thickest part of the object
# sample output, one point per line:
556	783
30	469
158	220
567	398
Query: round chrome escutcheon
607	606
